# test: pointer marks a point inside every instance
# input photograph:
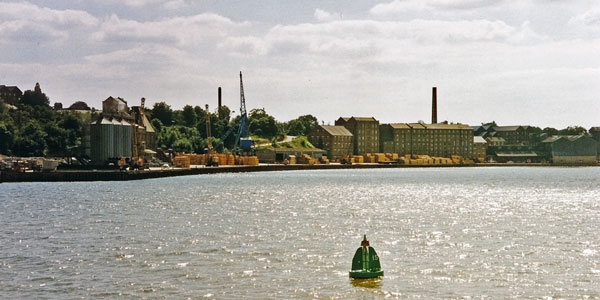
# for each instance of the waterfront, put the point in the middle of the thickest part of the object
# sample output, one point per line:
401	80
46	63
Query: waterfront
440	232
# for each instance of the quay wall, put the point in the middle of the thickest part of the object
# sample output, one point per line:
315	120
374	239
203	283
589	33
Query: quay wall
91	175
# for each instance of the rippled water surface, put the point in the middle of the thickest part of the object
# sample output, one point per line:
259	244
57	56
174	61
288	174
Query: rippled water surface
440	233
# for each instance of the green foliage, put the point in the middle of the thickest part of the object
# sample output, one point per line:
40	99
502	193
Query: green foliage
34	98
572	130
35	129
550	131
181	139
31	140
189	116
163	112
303	125
7	135
262	124
157	124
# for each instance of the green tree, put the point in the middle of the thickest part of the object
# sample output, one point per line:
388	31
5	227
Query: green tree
189	116
56	139
31	140
163	112
550	131
183	145
34	98
573	130
7	135
261	124
303	125
157	124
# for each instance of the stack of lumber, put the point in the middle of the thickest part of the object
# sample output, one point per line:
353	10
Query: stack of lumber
182	161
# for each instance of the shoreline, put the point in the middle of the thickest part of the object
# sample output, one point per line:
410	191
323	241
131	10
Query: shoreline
78	175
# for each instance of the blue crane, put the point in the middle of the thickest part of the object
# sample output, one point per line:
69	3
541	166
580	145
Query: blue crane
242	141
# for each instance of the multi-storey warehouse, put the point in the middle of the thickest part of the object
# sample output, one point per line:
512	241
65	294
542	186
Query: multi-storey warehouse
443	140
365	132
336	140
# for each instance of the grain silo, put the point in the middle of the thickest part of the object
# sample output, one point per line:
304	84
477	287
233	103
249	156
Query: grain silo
102	133
111	133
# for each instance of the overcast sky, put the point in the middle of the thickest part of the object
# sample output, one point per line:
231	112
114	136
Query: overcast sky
518	62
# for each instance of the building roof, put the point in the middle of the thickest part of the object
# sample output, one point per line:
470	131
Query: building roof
364	119
416	125
11	88
336	130
495	139
479	140
506	128
446	126
399	125
594	129
555	138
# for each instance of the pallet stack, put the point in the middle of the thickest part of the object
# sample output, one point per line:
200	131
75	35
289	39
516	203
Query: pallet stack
182	161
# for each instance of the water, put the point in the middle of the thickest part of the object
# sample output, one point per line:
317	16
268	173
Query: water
440	233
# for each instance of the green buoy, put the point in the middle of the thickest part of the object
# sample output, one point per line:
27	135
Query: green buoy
365	263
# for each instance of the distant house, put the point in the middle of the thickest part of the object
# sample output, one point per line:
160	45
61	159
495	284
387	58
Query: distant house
336	140
10	94
514	135
571	149
365	131
479	148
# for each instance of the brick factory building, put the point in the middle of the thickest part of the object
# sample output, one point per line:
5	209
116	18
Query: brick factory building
441	139
336	140
365	132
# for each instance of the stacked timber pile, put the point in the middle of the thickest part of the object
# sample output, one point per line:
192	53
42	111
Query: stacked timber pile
369	159
358	159
292	159
324	160
182	161
196	159
380	157
392	156
247	160
306	159
230	159
428	160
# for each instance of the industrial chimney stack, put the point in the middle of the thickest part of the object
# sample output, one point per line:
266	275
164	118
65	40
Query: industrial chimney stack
219	106
434	105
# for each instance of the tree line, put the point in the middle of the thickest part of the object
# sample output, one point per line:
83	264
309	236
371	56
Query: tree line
33	128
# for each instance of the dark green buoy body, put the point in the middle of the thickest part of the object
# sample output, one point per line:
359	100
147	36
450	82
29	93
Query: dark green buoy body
365	263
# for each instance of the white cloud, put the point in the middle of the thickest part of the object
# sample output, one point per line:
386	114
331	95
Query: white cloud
322	15
363	38
167	4
181	30
22	31
404	6
27	23
36	14
588	18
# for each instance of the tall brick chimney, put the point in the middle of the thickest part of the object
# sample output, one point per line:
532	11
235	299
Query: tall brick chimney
219	107
434	105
